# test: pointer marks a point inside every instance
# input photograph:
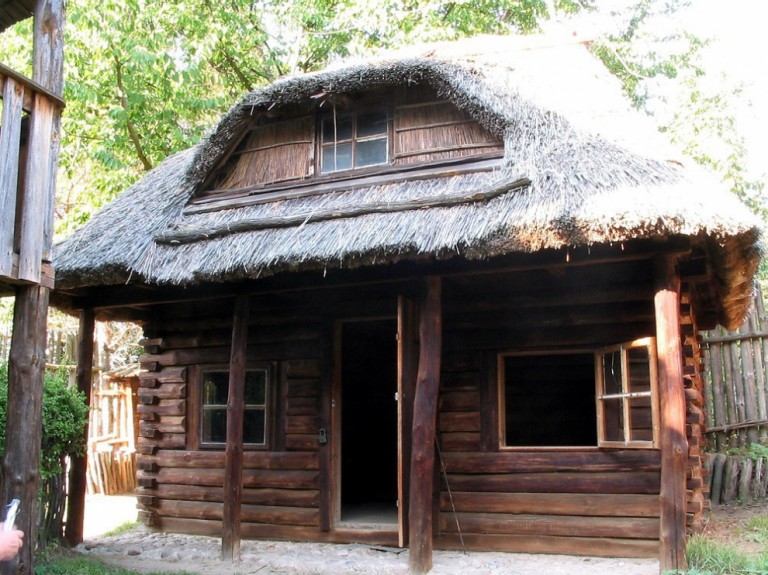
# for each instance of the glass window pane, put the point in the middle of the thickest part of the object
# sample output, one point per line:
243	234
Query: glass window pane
215	387
371	123
214	426
371	152
640	419
337	129
253	426
639	369
613	420
338	157
255	387
611	366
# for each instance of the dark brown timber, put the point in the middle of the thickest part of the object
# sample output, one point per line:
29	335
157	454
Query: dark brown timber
674	446
21	464
420	517
233	456
79	466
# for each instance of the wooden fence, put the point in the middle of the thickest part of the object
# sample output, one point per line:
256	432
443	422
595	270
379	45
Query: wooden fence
112	425
737	403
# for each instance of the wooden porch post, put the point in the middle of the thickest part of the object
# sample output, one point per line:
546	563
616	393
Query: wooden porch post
79	466
674	445
420	510
23	427
233	456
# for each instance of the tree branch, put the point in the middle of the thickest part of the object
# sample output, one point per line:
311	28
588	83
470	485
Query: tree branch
132	133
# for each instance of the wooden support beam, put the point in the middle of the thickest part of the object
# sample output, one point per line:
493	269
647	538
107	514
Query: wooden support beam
78	472
21	462
233	455
674	446
420	512
10	137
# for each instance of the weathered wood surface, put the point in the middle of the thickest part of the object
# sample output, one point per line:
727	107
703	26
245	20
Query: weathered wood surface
674	447
79	465
233	454
420	511
738	374
21	462
10	142
577	504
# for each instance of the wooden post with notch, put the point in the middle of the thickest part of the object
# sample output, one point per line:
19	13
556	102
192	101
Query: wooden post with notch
78	472
674	445
233	456
420	510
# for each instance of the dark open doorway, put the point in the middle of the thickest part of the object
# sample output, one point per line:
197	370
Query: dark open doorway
369	422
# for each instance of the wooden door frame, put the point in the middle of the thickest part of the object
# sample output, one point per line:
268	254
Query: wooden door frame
336	408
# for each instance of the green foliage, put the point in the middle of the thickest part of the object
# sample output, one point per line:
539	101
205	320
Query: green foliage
147	79
661	69
709	558
65	415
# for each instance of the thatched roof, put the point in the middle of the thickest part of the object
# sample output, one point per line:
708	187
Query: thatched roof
583	169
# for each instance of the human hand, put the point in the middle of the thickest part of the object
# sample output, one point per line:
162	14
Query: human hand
10	543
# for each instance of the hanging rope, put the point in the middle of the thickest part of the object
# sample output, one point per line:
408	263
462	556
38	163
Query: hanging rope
450	496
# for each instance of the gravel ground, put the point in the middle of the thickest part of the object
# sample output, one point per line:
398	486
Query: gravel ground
145	551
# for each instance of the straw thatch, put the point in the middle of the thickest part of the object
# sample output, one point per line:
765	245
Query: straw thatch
595	173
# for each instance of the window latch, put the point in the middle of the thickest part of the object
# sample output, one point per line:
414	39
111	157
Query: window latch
322	436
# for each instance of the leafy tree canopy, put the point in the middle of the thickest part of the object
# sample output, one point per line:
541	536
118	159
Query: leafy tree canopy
146	79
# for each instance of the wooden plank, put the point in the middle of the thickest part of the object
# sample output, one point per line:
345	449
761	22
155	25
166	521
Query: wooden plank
277	461
644	482
631	460
489	397
420	509
327	452
718	397
674	448
164	407
597	547
233	456
10	143
407	374
250	513
601	504
548	525
79	465
251	477
35	200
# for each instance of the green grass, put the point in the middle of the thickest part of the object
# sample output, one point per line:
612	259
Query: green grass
709	558
122	529
62	563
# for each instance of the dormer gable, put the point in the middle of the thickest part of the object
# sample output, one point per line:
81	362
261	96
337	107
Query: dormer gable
332	141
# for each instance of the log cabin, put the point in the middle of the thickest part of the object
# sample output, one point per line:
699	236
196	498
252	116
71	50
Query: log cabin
30	116
447	297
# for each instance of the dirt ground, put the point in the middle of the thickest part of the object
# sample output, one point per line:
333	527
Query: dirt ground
144	551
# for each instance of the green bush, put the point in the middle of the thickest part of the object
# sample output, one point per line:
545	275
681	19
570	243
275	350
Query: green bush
65	414
64	417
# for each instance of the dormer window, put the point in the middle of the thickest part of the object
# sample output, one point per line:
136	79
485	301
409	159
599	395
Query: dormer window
354	140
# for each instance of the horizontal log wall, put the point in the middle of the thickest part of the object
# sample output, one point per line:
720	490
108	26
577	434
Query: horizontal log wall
180	482
579	500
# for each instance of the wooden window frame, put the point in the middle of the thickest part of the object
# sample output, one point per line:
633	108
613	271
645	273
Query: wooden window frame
648	343
354	113
268	407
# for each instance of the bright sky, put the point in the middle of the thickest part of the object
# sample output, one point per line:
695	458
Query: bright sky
740	51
